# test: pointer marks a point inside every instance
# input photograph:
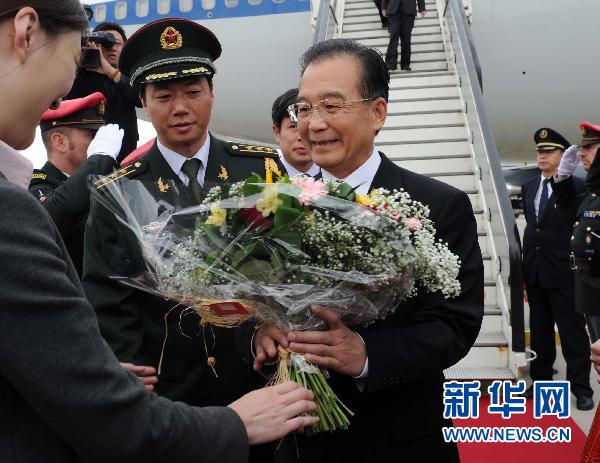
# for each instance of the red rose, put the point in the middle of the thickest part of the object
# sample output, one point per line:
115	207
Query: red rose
251	216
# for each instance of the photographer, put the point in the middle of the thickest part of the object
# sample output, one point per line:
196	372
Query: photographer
122	99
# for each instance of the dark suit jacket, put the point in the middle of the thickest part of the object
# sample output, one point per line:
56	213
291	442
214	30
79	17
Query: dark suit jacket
133	321
67	200
546	240
64	398
404	6
408	351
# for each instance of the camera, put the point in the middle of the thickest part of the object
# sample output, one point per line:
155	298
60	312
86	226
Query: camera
90	57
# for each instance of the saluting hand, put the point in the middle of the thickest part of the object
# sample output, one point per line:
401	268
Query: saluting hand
338	348
569	162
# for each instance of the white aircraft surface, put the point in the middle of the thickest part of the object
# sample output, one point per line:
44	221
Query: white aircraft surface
538	60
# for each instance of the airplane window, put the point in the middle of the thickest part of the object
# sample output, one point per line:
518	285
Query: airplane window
278	1
254	2
231	3
120	10
163	6
186	5
142	8
208	4
100	13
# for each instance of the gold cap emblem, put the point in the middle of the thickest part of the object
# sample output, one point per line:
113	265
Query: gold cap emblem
101	108
171	39
543	134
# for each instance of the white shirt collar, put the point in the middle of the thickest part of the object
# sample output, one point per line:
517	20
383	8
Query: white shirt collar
176	160
293	172
16	168
362	178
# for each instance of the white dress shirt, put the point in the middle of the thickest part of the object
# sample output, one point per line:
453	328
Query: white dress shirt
361	179
176	160
293	172
538	193
14	166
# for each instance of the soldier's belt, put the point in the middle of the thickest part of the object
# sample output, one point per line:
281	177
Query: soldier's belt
580	264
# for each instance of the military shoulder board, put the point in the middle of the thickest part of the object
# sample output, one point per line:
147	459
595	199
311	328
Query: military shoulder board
126	171
241	149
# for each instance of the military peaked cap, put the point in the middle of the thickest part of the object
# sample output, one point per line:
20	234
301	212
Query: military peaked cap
83	113
548	139
590	134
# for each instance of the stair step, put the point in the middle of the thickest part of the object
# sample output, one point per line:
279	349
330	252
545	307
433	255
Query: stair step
372	17
425	151
430	167
412	80
417	40
424	65
482	374
491	323
492	310
430	5
397	77
463	182
435	47
432	135
424	106
416	94
379	32
491	338
424	120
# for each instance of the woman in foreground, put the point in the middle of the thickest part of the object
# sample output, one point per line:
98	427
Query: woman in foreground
63	395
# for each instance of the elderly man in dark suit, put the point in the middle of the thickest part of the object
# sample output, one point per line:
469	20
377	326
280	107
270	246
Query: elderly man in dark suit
548	275
390	373
401	20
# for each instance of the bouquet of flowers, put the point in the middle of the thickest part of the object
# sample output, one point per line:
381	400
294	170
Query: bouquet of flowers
271	250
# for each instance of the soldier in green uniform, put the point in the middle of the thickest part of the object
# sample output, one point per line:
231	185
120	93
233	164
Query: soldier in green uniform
76	149
585	242
171	63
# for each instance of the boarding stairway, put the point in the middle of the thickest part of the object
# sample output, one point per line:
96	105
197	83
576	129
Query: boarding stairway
437	126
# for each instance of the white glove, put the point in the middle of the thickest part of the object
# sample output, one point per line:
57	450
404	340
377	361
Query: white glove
569	161
107	141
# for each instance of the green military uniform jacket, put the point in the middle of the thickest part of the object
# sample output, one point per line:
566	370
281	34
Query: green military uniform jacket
67	200
585	241
133	321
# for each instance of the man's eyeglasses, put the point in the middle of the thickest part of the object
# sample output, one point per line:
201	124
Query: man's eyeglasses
328	108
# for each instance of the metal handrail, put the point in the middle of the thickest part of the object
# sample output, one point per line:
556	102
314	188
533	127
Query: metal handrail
326	20
500	211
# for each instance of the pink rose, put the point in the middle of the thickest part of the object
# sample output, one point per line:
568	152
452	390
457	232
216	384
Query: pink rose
311	189
413	224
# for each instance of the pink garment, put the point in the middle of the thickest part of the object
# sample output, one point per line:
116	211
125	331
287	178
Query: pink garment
14	166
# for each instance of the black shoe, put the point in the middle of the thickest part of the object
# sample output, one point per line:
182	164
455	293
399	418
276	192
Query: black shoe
392	67
384	25
585	403
406	68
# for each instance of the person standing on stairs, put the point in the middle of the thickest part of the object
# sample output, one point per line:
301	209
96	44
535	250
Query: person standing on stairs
549	278
401	16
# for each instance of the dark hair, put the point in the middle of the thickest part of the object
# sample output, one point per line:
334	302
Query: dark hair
375	79
56	16
280	105
108	26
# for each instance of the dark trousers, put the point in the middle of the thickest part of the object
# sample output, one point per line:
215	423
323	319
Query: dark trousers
556	305
593	323
400	26
384	20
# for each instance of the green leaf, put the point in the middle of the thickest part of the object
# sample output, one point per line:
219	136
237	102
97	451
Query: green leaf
249	189
242	253
344	191
285	217
212	235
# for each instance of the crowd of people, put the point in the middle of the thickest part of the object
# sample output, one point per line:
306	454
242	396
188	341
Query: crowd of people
87	371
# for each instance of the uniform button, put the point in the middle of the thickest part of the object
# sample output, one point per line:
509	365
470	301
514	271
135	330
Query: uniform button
576	224
589	229
537	229
537	248
589	259
594	195
572	238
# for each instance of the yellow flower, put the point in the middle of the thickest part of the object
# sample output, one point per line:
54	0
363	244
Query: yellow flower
217	216
364	200
269	203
